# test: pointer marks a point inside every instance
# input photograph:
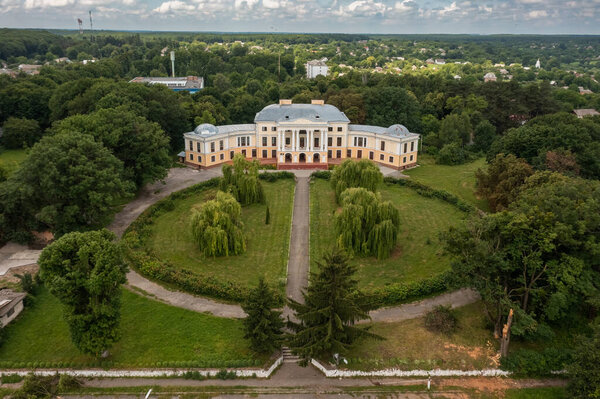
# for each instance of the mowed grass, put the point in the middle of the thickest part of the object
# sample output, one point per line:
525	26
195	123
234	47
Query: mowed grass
418	253
266	245
409	345
458	180
11	159
151	332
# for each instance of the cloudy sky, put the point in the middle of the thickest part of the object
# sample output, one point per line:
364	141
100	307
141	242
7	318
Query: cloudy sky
347	16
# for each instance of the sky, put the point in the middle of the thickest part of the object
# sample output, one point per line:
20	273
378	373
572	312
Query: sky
311	16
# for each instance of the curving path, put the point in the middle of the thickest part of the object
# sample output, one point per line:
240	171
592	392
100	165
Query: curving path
298	263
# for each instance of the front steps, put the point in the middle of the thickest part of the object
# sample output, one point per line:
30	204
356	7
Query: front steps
288	356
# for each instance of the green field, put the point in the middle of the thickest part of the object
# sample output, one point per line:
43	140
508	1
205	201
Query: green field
151	332
418	253
10	159
409	345
458	180
266	245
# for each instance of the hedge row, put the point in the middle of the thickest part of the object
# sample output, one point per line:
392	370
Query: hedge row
272	176
398	293
321	174
429	192
530	363
108	364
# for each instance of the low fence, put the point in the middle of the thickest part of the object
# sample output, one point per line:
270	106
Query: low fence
336	373
154	373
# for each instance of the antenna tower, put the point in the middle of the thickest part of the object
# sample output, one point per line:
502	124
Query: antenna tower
79	21
173	63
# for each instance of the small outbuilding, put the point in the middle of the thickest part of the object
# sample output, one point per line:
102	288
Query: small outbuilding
582	113
11	304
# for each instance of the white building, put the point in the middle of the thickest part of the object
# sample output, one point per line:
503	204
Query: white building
315	68
11	304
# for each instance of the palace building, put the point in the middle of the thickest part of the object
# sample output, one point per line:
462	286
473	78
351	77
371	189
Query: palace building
300	136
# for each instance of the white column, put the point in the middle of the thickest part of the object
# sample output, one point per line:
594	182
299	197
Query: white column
297	140
325	141
321	141
279	140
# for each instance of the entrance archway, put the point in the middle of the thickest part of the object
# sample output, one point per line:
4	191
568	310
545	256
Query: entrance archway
316	158
302	158
288	158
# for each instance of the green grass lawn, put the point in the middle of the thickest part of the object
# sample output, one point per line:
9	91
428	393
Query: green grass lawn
418	253
458	180
409	345
10	159
537	393
266	245
151	332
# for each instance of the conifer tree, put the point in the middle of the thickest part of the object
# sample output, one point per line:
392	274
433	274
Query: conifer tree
268	216
217	227
263	325
349	173
241	180
332	305
367	225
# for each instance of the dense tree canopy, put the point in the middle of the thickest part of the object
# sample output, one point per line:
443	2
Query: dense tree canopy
20	133
367	225
217	227
85	272
141	145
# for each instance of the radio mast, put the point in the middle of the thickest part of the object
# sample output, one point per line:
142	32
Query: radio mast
91	27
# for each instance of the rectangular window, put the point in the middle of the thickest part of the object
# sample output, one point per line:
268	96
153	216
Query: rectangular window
199	159
339	129
212	147
328	153
383	146
231	154
253	153
412	146
264	140
191	157
359	154
405	148
197	147
349	153
356	141
221	145
391	159
273	128
339	141
264	128
381	157
411	157
274	141
371	155
329	141
222	156
316	142
330	129
404	160
191	145
212	158
287	141
264	153
274	154
338	154
244	153
361	142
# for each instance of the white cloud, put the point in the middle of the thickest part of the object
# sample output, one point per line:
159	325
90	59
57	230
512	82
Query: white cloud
537	14
175	6
449	9
270	3
248	3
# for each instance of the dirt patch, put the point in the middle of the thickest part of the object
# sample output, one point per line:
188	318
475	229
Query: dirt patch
488	352
397	252
496	384
10	276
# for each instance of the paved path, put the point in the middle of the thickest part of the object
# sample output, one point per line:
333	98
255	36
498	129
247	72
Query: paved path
298	262
455	299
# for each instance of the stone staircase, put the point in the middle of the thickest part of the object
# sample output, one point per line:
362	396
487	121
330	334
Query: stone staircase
288	356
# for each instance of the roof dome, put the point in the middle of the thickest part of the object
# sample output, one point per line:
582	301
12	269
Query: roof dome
398	130
205	128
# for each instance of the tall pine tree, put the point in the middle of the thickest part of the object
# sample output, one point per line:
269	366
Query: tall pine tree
263	325
332	305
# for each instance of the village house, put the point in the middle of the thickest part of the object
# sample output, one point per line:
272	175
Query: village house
11	304
300	136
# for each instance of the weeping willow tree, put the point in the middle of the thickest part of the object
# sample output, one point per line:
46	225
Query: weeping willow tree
241	180
217	228
349	173
367	225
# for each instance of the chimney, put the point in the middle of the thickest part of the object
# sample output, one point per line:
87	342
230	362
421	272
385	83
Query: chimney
285	102
317	102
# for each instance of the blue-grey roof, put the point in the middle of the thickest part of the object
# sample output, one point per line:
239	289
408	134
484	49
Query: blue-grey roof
394	130
205	128
181	154
291	112
208	130
237	128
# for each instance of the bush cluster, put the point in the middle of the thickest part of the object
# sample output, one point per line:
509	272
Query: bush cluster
532	363
429	192
209	362
441	319
273	176
398	293
321	174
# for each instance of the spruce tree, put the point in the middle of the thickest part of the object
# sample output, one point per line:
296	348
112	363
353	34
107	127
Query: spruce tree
263	325
332	305
268	216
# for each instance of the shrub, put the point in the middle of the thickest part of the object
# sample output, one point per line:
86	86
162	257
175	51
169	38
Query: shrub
225	375
194	375
37	387
530	363
10	378
321	174
441	319
267	216
67	382
274	176
395	294
452	154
